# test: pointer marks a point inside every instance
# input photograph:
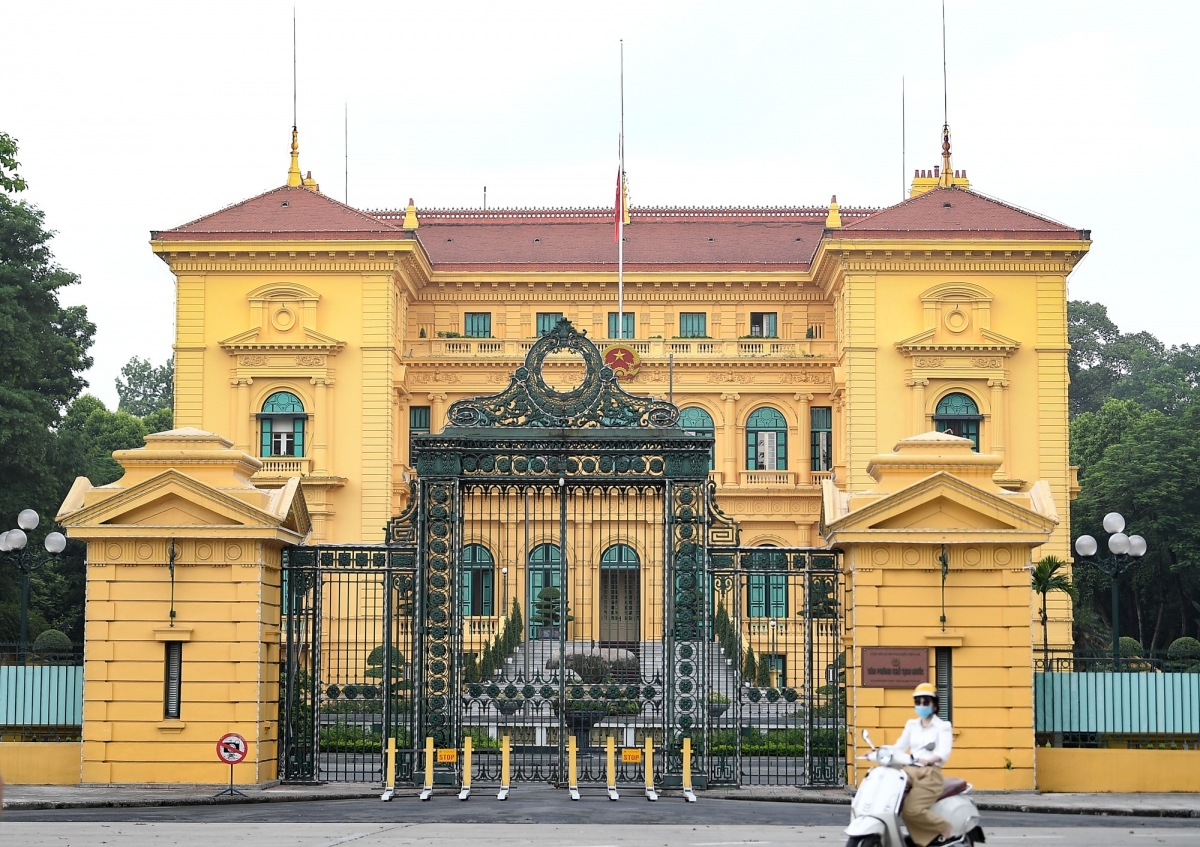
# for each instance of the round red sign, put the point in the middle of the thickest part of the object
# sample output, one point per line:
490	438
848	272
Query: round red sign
623	360
232	748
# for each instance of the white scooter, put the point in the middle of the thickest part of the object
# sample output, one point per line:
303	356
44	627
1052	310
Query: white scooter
875	813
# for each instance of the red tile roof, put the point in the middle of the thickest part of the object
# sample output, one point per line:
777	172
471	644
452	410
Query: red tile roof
956	212
582	239
295	212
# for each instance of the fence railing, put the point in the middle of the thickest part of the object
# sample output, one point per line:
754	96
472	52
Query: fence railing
1145	701
41	692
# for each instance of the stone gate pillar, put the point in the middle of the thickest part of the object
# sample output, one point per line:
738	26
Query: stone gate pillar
181	633
936	526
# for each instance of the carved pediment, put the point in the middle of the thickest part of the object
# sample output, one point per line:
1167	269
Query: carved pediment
305	342
983	341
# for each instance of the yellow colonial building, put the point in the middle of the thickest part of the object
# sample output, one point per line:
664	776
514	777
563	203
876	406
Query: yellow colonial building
891	382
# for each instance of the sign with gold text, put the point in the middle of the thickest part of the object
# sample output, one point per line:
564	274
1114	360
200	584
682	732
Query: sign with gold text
894	667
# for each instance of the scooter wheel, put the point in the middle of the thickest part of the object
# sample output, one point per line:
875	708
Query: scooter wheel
864	841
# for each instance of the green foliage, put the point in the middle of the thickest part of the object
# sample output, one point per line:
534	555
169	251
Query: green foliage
1183	655
550	608
762	677
10	180
1131	648
144	388
375	664
53	647
777	742
749	666
1049	575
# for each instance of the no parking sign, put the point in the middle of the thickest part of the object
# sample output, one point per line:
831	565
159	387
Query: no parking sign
232	748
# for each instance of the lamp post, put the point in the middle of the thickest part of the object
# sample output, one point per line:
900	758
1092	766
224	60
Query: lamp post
1126	551
504	596
774	673
13	544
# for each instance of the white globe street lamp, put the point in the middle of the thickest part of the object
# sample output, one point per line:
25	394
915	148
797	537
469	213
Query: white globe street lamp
14	544
1126	551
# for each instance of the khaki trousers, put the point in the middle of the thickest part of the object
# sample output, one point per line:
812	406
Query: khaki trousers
927	783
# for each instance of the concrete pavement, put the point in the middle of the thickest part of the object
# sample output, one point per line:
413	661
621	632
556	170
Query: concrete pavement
122	796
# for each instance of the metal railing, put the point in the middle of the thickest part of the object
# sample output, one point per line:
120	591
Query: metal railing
1148	701
41	699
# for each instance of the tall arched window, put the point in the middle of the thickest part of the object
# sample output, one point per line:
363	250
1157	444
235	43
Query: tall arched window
282	423
694	419
478	581
620	595
544	572
958	415
620	556
766	441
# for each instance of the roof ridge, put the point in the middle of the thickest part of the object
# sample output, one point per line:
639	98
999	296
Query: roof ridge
567	213
918	197
367	218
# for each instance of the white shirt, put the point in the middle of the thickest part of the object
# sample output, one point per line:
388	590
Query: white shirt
915	737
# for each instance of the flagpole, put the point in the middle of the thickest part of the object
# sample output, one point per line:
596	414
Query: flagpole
621	209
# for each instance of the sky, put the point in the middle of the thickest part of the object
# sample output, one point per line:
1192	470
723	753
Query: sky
140	116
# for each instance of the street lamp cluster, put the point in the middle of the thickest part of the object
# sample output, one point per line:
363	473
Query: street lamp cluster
1126	551
14	546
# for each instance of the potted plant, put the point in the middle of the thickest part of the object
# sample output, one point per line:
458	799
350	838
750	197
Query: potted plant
718	704
550	612
507	705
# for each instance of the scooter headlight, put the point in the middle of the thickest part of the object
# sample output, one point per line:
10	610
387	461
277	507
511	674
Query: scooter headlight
885	756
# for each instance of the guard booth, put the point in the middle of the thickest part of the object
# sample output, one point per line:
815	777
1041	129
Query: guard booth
563	570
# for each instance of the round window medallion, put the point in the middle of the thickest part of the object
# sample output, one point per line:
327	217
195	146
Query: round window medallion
114	551
203	552
911	556
283	319
957	320
880	556
971	555
145	551
233	552
1002	556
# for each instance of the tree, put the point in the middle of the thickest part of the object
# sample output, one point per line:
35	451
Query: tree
144	388
750	667
550	609
42	362
1046	577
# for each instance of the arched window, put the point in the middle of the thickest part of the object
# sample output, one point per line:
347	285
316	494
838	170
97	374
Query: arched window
766	441
620	595
282	422
958	415
694	419
478	581
544	572
620	556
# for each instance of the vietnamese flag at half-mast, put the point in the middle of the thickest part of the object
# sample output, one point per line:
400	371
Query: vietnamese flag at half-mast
620	209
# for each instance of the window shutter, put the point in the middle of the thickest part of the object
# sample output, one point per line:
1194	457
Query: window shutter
298	429
486	577
174	674
758	600
778	595
465	599
266	436
944	682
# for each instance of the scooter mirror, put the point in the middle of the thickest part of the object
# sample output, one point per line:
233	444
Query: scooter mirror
867	738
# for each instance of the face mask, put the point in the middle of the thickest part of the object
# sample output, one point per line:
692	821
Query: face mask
924	711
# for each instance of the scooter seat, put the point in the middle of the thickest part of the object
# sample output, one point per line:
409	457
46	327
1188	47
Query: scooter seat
953	786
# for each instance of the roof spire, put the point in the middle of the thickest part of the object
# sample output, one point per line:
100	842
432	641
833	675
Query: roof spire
947	176
834	219
410	216
293	178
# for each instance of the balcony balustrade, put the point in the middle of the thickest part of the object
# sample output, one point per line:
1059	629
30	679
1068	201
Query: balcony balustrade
699	348
285	466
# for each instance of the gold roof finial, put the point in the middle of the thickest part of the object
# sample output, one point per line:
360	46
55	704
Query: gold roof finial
834	219
294	180
947	175
410	216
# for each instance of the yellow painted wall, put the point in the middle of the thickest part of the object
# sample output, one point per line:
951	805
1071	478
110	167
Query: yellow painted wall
1117	771
40	763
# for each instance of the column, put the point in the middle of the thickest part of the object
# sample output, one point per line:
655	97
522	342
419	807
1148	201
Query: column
437	412
242	416
998	428
803	449
320	436
918	401
731	474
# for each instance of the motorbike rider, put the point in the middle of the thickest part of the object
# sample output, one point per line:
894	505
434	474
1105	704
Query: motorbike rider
925	777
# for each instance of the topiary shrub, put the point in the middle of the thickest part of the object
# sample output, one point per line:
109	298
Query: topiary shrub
1131	648
1184	655
53	647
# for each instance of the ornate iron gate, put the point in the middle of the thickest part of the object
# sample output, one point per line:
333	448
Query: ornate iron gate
562	570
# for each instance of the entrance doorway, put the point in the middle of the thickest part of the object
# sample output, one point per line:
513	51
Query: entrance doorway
620	597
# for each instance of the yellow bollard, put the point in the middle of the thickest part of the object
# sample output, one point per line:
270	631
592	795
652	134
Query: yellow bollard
612	769
573	767
427	791
651	794
505	767
688	794
390	778
465	793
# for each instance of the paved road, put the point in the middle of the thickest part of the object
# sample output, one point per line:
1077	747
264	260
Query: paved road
540	805
354	833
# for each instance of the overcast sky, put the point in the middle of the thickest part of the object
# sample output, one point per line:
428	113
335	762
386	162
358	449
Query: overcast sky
135	116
